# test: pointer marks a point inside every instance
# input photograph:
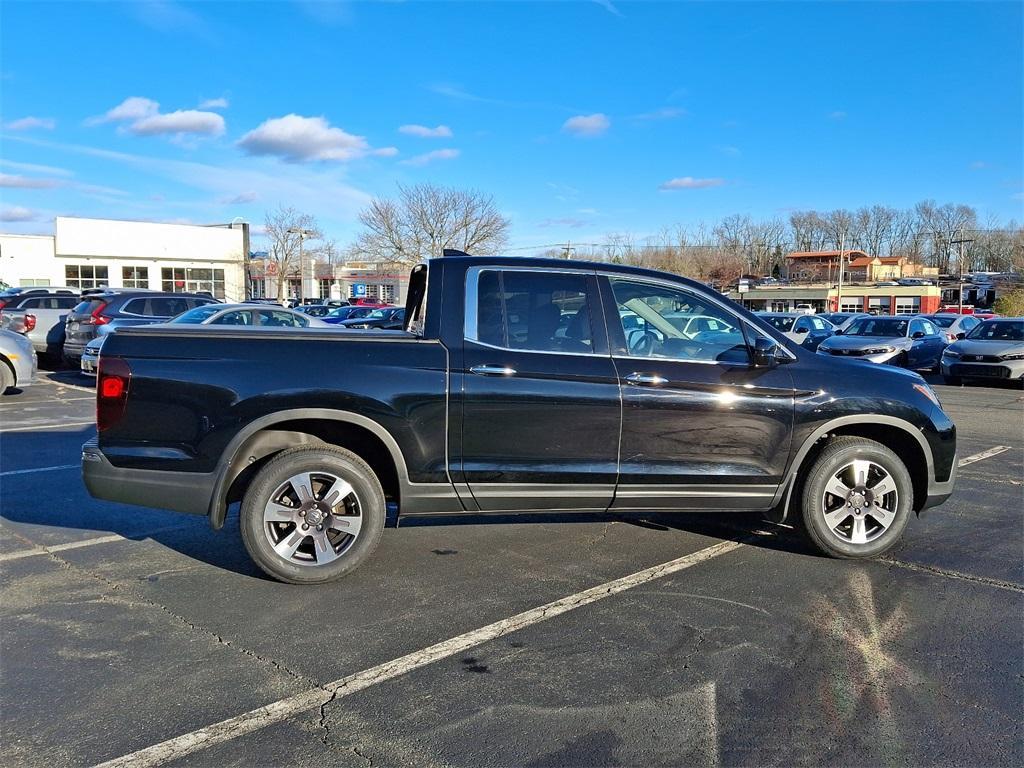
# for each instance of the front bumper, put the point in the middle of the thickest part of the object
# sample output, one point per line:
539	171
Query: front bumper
938	492
89	363
880	358
1004	369
188	492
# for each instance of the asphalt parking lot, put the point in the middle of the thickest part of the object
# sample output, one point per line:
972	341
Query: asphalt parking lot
144	635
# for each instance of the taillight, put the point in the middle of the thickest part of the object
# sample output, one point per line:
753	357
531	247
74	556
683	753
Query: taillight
30	323
97	318
112	383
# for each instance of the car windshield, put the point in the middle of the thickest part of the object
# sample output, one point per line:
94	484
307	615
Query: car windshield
943	321
878	326
780	322
199	314
377	314
998	330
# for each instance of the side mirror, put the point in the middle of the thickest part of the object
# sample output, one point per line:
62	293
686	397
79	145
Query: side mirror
764	352
801	330
961	335
838	332
917	335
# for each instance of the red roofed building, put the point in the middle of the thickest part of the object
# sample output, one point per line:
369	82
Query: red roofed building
811	266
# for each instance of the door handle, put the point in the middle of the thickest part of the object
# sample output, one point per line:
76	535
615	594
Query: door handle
492	370
646	379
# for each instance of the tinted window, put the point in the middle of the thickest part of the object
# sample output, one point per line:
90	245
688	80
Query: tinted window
165	306
197	315
281	320
239	317
998	330
87	307
29	304
878	326
534	311
968	323
712	335
135	307
944	322
780	322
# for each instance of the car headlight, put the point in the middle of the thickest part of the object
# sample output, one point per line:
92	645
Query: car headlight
879	350
947	352
1013	356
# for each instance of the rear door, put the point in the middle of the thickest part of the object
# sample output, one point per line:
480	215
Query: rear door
540	397
702	428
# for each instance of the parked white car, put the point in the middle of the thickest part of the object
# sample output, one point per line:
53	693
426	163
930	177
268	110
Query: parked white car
18	364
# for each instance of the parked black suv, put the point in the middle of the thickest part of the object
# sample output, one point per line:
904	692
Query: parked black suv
128	308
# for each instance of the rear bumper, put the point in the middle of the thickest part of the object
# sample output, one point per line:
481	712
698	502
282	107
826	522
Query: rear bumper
188	492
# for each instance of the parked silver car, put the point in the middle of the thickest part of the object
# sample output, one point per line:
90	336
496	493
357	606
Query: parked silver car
954	326
18	364
904	340
50	310
994	349
248	315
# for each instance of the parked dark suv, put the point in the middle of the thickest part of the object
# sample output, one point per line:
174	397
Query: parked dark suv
127	308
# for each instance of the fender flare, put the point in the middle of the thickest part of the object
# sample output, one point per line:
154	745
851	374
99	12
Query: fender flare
786	489
232	462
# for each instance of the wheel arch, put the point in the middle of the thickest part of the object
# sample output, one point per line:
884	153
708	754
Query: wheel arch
896	434
265	437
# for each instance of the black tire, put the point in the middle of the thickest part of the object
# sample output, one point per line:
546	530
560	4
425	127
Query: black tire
954	381
839	453
319	460
6	377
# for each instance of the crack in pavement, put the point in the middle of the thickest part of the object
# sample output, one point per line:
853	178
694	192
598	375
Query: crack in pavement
937	571
123	589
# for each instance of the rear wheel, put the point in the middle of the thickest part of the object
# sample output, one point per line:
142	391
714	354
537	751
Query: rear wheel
857	499
312	515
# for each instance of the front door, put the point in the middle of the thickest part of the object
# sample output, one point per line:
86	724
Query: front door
540	398
702	428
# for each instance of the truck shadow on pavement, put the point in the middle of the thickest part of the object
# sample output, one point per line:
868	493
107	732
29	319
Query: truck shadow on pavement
57	499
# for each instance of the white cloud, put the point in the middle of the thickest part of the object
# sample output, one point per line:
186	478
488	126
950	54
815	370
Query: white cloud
17	213
299	139
145	119
29	123
220	103
429	157
587	125
385	152
688	182
665	113
14	181
35	168
240	199
440	132
570	223
609	6
180	122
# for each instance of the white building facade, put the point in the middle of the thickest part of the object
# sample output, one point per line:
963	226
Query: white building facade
92	253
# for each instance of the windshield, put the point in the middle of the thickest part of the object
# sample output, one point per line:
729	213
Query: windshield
943	322
780	322
998	330
377	314
198	315
878	326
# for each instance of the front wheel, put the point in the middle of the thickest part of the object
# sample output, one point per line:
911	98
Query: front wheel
312	515
857	499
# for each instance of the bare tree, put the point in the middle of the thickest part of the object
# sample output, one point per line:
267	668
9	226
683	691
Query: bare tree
424	220
286	229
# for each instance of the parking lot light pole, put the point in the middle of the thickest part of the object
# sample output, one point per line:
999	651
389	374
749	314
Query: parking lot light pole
303	234
961	240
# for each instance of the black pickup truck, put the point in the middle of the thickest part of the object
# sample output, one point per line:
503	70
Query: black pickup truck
518	385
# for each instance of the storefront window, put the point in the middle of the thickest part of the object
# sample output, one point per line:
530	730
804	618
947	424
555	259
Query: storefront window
85	276
324	288
135	277
193	280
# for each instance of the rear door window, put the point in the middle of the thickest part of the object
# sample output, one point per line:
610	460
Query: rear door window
534	311
135	307
281	320
166	306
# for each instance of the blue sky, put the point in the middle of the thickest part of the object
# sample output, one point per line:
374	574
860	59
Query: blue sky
581	118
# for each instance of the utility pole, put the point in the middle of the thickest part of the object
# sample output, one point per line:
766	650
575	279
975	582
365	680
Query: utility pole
961	240
568	249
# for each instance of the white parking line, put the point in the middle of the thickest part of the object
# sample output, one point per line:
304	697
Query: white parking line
38	469
232	728
48	426
41	550
983	455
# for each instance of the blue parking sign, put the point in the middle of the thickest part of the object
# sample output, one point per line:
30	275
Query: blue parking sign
359	290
